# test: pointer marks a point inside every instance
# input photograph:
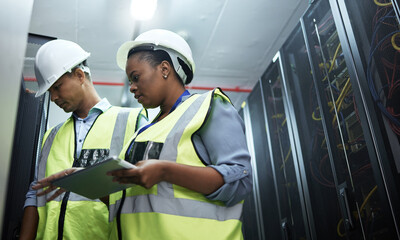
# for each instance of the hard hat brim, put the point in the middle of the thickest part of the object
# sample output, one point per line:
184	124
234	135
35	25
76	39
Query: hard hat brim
40	92
122	54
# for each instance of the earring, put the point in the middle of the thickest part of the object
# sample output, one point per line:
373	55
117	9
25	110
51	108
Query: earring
165	76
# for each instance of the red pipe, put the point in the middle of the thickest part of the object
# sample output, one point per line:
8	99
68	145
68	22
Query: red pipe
108	84
29	79
95	83
236	89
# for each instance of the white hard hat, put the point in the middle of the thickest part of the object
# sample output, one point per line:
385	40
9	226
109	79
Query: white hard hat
165	40
55	58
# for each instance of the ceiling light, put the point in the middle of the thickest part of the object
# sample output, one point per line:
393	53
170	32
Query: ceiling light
143	9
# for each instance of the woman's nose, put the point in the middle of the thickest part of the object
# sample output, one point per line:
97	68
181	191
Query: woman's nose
132	88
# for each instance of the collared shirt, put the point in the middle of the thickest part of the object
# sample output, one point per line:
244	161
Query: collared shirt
82	126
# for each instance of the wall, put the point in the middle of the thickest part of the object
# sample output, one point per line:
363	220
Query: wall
14	24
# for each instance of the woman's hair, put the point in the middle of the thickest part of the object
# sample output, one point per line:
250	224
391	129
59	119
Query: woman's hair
155	58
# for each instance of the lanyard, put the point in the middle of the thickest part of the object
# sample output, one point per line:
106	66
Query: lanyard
178	101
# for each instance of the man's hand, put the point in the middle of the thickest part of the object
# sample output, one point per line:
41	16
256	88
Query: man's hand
47	182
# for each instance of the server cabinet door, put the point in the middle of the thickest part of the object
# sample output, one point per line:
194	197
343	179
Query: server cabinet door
251	215
350	158
323	211
267	193
281	152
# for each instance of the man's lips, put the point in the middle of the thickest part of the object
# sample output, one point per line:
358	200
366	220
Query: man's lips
60	104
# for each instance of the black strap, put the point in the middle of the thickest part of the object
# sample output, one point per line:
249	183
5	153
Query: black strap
64	202
61	219
119	215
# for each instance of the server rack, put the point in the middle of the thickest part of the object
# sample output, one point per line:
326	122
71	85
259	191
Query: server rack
283	157
344	140
344	160
321	205
266	199
372	31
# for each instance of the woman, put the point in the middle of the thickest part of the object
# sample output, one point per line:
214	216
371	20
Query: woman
193	164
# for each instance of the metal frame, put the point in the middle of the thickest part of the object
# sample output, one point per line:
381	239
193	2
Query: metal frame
266	188
256	192
301	171
270	149
396	9
323	106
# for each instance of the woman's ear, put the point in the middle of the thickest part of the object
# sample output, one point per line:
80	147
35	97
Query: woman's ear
165	69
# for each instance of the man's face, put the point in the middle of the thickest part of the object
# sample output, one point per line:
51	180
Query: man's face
67	92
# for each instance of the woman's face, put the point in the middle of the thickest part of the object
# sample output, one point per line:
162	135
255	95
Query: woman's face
146	82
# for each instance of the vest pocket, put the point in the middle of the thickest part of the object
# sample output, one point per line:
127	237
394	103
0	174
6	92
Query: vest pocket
143	151
89	157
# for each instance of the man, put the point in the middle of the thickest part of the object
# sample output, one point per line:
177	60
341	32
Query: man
95	130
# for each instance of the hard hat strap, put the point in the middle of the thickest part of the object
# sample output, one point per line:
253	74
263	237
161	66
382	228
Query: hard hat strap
177	66
82	67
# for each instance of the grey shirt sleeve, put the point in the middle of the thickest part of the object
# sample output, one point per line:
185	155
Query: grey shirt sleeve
30	197
221	144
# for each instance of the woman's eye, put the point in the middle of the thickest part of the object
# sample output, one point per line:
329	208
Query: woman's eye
133	79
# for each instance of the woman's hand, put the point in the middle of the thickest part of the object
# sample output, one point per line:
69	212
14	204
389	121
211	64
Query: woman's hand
147	174
47	182
204	180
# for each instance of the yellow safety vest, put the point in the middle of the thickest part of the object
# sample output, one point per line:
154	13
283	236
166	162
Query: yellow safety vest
71	216
167	211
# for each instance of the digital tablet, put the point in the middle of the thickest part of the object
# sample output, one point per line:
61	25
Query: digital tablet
92	182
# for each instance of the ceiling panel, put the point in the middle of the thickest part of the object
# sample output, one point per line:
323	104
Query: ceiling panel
232	41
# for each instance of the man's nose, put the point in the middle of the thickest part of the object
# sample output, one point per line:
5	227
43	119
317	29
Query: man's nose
53	96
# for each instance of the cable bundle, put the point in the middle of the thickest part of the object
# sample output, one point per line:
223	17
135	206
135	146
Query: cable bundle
385	46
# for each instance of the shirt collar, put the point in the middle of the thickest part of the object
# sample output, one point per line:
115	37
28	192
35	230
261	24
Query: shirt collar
100	107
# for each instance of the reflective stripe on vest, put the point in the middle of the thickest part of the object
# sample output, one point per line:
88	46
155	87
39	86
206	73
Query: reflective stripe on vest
117	141
176	206
46	150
